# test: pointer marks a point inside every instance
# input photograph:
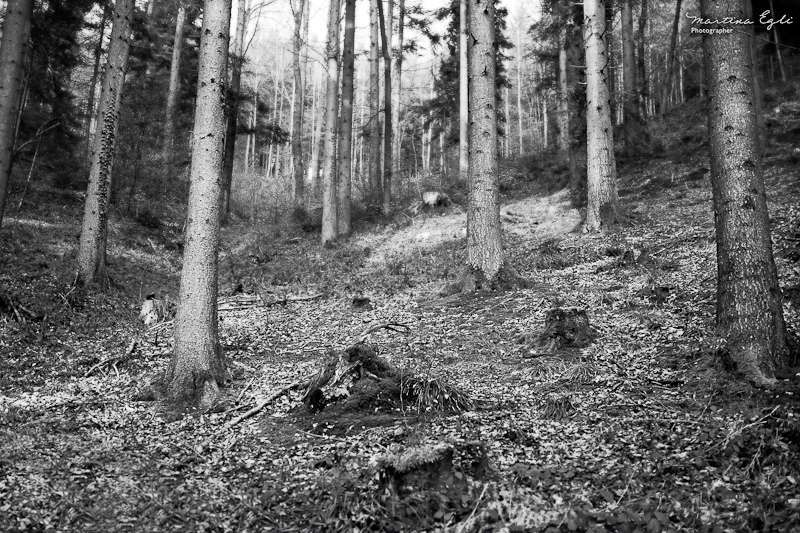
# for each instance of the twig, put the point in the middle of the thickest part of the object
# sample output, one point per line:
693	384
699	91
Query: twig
287	299
239	398
262	404
113	360
391	326
463	524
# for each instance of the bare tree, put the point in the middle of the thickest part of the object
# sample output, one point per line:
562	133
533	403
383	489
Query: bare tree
92	246
297	128
603	206
386	35
197	369
174	82
16	34
346	120
397	84
329	178
749	306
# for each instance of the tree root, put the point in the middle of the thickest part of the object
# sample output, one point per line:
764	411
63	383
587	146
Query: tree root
473	280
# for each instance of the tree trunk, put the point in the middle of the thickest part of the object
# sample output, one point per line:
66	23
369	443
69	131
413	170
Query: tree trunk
519	90
484	241
197	369
16	34
463	93
375	133
319	123
397	83
297	128
98	53
576	108
329	177
92	247
563	95
778	53
634	132
346	121
174	84
233	110
749	307
603	206
671	58
643	84
386	34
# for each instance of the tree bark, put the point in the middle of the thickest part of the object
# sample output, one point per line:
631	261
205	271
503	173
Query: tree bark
319	123
463	93
749	306
397	84
197	369
484	241
174	84
386	34
346	121
671	58
92	246
603	203
232	95
375	133
520	128
633	130
98	53
563	95
644	91
297	128
13	48
329	177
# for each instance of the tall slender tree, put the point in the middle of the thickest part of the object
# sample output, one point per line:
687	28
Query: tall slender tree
644	84
386	36
670	67
397	85
634	132
346	120
603	205
749	306
174	82
463	93
375	102
297	119
98	53
94	232
330	180
16	35
197	369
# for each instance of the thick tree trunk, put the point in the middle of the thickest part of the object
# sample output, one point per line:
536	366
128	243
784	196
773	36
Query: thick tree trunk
98	53
386	35
749	307
346	121
197	368
484	240
644	91
233	110
635	135
174	84
16	34
297	128
375	133
92	246
603	205
463	93
667	88
397	84
329	177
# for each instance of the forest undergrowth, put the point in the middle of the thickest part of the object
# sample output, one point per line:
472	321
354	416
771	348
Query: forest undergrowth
640	431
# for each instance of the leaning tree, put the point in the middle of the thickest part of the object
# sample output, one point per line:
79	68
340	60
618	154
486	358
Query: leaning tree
197	368
749	311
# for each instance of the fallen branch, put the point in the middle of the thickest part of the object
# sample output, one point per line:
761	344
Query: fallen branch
391	326
113	360
262	404
287	299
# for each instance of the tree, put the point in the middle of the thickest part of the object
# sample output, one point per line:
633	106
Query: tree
634	132
297	128
233	98
374	161
386	37
329	179
603	202
174	81
197	370
98	52
463	92
397	84
16	34
92	246
346	120
749	306
667	89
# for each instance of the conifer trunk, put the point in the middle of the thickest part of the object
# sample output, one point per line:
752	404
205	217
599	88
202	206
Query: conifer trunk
644	91
749	305
463	93
633	128
13	48
232	95
197	368
174	83
397	84
297	128
667	88
386	36
98	53
329	177
92	245
346	121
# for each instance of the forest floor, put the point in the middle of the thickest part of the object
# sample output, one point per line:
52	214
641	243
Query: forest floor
640	431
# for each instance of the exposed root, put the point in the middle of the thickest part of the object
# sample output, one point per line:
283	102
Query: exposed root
473	280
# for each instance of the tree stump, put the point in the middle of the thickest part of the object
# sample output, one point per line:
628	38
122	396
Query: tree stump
565	328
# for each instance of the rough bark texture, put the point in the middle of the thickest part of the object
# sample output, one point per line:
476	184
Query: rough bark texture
749	312
563	95
484	240
386	34
577	109
643	83
463	93
174	83
16	34
92	246
346	120
232	95
634	132
329	178
197	369
375	102
667	89
397	84
98	53
603	203
297	129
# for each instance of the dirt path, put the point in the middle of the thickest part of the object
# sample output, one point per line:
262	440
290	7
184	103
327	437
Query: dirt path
534	218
